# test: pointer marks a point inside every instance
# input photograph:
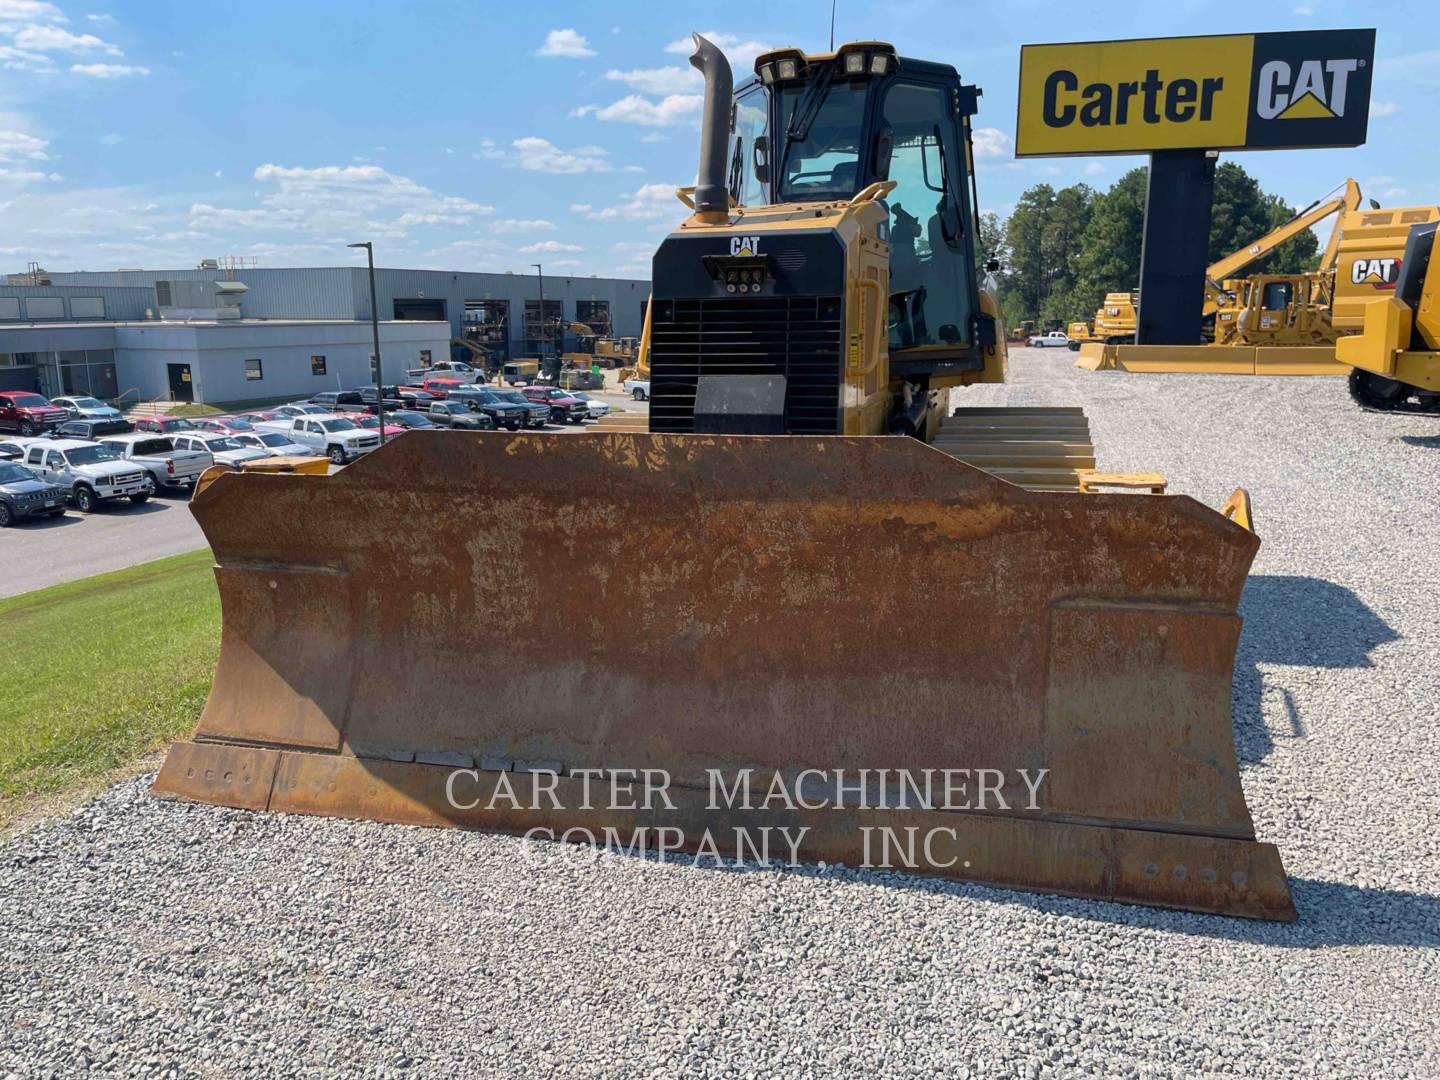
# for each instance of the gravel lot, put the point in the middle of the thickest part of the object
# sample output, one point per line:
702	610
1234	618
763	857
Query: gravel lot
158	938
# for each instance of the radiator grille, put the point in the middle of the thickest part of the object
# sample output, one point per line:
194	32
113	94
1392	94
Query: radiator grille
794	336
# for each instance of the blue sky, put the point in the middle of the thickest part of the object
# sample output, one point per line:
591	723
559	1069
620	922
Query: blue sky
488	136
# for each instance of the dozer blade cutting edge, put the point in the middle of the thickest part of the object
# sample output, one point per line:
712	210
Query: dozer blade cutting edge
457	600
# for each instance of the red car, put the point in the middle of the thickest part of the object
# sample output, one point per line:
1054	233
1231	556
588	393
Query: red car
28	413
564	407
370	423
164	425
439	387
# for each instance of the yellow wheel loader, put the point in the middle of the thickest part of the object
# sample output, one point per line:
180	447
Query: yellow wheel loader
1395	359
797	608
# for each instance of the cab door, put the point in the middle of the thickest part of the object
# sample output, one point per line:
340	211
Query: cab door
933	296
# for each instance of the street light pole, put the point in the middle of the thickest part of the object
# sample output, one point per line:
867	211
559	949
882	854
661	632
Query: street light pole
375	335
543	324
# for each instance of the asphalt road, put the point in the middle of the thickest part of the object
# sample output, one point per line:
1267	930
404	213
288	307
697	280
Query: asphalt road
121	534
118	535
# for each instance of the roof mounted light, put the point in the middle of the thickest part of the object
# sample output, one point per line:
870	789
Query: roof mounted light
781	64
866	58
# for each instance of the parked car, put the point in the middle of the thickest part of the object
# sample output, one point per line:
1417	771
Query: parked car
89	430
256	416
391	398
446	369
639	389
274	444
1053	338
409	419
25	495
337	437
298	408
11	451
538	411
459	414
88	472
28	413
565	407
597	407
506	414
225	449
89	408
164	425
165	464
224	425
372	423
340	401
440	386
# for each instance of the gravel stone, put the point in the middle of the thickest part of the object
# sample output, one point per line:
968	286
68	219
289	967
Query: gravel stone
149	938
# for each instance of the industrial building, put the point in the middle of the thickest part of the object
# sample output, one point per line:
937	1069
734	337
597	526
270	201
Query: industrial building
226	334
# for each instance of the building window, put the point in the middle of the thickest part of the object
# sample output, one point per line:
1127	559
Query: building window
543	335
253	370
424	357
594	314
317	365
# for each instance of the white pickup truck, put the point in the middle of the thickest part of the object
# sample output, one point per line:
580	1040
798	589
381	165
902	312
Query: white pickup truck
89	473
164	465
337	437
450	369
639	389
1054	338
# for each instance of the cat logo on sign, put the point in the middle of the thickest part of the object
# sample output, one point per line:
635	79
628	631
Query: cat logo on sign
1224	92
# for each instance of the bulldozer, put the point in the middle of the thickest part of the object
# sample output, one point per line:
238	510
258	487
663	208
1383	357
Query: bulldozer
862	604
1395	359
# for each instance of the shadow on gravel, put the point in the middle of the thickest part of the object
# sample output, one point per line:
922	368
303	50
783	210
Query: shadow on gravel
1331	913
1431	442
1301	622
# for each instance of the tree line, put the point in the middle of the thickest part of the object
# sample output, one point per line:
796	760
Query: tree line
1061	251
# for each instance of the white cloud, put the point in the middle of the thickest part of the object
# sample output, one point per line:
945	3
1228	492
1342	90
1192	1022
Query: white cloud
652	137
340	200
648	202
991	142
550	246
1093	168
740	50
566	43
555	263
104	20
541	155
21	11
521	225
25	60
1383	108
634	109
27	176
43	38
662	80
109	71
111	139
17	144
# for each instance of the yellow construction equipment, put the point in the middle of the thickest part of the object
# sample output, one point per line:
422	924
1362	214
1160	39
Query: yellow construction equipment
1395	360
904	658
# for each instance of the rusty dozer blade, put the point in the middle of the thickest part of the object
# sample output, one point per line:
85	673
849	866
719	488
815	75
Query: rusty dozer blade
459	611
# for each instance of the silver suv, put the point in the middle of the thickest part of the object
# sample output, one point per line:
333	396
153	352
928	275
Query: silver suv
87	472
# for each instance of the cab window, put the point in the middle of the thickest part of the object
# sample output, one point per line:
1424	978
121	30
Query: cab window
35	455
820	125
751	121
929	270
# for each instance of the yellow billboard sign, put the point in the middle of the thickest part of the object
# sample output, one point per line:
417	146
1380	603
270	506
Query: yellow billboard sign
1228	91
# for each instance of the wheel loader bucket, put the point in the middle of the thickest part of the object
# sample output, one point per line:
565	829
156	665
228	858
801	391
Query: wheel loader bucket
490	630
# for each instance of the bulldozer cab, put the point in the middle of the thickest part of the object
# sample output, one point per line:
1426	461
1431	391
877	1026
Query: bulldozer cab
823	128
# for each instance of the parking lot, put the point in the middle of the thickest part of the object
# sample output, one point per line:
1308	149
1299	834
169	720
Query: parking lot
144	935
120	533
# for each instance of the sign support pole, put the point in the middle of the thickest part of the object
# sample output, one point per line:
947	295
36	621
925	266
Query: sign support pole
1174	248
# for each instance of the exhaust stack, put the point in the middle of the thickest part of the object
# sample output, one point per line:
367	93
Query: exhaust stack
710	194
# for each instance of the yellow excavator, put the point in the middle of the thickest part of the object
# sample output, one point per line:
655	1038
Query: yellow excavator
806	577
1395	359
